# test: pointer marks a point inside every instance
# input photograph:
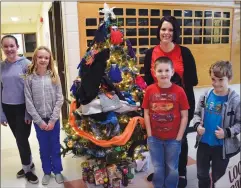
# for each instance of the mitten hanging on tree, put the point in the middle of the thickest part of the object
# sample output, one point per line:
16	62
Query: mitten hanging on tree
116	36
140	82
131	52
115	73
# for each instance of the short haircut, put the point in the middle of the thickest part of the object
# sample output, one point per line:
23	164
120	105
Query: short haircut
221	69
175	25
163	59
10	36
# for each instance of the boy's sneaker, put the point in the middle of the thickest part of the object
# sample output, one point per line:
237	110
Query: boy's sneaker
46	179
59	178
31	177
21	172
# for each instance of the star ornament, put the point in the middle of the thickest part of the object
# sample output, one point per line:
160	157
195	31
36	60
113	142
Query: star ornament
107	11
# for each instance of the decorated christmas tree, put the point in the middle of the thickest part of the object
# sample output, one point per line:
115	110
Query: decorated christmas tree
105	121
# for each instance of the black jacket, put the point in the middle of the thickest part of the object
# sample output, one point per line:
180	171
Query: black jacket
189	75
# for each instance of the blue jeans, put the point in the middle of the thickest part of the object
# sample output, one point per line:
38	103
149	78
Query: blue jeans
165	158
49	147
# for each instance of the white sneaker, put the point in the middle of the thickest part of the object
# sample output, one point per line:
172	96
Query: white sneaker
59	178
46	179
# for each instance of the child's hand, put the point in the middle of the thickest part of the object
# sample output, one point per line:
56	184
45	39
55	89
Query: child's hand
219	133
200	129
43	126
50	127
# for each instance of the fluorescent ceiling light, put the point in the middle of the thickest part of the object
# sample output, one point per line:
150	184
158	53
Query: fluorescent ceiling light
14	19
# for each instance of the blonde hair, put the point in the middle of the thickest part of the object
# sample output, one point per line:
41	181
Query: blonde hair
221	69
33	66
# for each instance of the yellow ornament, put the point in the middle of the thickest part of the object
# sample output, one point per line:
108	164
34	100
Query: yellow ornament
70	143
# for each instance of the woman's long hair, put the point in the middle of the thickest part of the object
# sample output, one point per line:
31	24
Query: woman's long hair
33	66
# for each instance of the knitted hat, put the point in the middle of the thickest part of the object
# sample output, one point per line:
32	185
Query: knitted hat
93	107
109	104
126	107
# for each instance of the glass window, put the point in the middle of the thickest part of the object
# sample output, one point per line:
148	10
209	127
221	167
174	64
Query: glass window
187	40
197	31
187	22
118	11
144	32
208	14
216	40
197	40
143	12
217	23
207	31
226	14
155	12
154	41
198	22
217	14
131	21
130	11
225	40
187	13
216	31
155	21
179	22
187	31
91	22
141	59
208	22
90	32
225	31
226	22
198	14
130	31
143	22
166	12
153	31
178	13
143	41
206	40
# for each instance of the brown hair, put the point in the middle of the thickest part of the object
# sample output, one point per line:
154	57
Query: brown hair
221	69
33	66
163	59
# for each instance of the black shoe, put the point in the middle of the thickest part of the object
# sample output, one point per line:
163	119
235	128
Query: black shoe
182	183
21	172
149	178
31	177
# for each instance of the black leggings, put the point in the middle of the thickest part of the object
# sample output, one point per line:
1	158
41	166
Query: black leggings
15	115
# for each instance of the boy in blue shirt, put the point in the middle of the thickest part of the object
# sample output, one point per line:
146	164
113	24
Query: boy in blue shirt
217	121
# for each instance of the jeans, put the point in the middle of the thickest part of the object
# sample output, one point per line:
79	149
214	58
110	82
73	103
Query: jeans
49	145
165	157
205	155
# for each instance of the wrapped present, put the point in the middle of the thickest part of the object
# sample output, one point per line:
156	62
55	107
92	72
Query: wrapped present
100	175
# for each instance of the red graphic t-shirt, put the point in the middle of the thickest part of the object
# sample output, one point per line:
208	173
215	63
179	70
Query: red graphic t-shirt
165	105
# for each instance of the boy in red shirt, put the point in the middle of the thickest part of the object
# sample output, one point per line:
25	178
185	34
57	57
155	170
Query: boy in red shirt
166	114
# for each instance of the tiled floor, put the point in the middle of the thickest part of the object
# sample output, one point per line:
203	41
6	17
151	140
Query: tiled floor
10	164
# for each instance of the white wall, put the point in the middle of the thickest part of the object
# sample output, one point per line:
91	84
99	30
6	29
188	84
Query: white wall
18	28
43	36
71	40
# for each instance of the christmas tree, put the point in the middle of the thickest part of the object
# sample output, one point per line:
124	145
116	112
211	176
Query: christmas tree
105	121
